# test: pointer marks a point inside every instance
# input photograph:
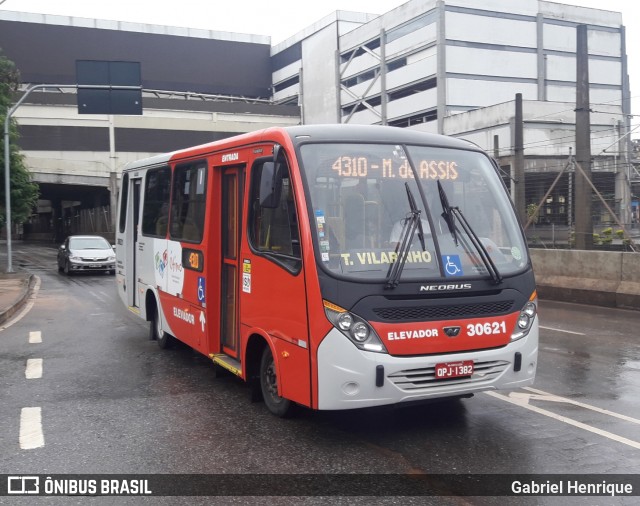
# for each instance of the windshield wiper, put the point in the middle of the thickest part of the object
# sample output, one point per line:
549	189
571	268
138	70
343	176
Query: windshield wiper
411	223
447	213
450	215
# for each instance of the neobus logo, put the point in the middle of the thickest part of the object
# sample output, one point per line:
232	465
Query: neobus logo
230	157
442	288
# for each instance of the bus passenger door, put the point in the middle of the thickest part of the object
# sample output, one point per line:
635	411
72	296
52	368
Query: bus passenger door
126	240
133	291
131	242
232	189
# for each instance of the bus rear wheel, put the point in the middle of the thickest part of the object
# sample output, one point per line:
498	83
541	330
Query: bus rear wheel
279	406
156	333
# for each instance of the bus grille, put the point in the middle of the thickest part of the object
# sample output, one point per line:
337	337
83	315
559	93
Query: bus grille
448	312
417	379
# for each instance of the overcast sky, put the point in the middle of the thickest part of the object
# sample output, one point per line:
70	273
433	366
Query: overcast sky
281	19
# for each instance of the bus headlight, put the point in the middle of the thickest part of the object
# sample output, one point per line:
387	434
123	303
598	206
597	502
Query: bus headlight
525	320
355	328
360	332
345	321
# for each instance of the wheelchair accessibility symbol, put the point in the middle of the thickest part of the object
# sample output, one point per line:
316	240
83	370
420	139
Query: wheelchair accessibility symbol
201	289
452	265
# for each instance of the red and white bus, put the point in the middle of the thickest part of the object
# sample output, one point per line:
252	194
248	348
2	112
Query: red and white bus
333	266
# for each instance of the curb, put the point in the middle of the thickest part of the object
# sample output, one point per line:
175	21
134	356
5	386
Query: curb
25	293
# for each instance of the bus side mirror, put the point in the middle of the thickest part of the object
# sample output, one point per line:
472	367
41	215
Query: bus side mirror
270	185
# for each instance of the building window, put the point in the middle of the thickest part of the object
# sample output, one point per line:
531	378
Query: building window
411	26
416	119
287	84
353	108
396	64
371	45
412	89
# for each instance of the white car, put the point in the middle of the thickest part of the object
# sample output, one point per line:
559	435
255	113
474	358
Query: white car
86	253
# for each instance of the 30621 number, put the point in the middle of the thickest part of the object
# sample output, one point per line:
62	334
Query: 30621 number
486	329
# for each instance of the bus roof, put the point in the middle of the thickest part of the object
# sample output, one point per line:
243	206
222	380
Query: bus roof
375	134
317	133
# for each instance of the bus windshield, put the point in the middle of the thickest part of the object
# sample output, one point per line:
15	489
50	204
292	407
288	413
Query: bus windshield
375	203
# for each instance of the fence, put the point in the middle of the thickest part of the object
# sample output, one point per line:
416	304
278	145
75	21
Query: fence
551	208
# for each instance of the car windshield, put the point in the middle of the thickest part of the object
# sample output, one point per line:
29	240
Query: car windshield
361	196
88	243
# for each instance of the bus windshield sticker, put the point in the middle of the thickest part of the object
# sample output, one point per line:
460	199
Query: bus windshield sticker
452	265
515	253
324	243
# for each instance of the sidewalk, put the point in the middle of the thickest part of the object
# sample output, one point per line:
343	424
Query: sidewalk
15	287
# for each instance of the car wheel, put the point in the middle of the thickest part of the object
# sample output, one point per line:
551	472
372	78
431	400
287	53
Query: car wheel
67	270
156	333
279	406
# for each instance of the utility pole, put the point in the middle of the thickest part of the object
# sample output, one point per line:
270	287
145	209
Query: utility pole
518	166
623	184
584	219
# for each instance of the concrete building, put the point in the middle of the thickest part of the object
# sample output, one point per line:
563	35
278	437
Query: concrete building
199	86
446	66
455	66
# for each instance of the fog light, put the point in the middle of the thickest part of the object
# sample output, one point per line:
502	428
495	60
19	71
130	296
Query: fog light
351	388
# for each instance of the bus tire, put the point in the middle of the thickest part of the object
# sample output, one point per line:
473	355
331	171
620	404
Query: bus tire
156	333
279	406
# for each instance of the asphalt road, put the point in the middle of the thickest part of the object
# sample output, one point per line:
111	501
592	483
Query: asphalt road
111	401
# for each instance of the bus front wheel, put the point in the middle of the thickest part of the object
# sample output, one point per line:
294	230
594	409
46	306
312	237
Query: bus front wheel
279	406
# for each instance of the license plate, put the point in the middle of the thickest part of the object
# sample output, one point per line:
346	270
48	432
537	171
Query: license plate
454	369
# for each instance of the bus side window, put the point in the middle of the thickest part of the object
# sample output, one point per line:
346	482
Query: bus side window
124	197
275	229
188	202
156	197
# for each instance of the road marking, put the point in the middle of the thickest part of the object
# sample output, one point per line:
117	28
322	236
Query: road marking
562	330
545	396
31	435
522	400
35	337
34	368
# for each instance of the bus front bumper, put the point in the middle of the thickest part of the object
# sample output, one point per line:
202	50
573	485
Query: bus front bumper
349	378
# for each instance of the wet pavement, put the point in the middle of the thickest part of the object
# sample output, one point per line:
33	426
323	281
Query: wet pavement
113	402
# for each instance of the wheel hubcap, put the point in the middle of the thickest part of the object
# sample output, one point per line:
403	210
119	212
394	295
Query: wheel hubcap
271	381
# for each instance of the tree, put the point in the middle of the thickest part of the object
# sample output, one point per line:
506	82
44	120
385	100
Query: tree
24	192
